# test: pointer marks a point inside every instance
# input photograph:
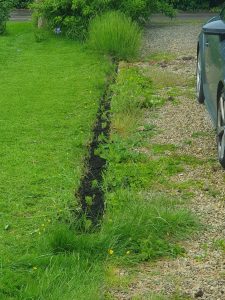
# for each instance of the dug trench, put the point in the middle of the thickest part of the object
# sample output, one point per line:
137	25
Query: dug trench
90	193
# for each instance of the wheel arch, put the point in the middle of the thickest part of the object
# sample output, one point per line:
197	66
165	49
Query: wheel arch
219	89
220	126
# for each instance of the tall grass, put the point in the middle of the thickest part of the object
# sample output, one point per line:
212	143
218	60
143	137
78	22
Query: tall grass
71	264
115	34
147	229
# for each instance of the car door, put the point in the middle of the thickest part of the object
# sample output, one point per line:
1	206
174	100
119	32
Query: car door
213	69
214	33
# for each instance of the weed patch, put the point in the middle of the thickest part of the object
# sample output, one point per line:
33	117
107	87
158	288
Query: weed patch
143	220
161	57
133	91
131	171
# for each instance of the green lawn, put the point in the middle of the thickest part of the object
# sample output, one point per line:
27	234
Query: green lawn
49	95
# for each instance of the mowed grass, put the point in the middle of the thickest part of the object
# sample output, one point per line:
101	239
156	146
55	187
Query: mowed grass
49	96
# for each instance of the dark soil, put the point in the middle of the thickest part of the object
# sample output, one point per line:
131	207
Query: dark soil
90	193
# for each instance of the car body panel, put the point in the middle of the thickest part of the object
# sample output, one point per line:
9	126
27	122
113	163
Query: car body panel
215	26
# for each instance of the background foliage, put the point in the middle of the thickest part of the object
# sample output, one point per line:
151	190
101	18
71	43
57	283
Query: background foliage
73	16
194	4
23	3
5	6
132	5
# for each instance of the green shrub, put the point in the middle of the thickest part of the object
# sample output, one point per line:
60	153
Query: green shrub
115	34
5	7
73	16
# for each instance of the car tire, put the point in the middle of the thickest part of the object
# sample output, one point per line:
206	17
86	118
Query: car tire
221	128
199	82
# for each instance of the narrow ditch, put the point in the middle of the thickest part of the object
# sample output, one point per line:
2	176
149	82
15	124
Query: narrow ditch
90	193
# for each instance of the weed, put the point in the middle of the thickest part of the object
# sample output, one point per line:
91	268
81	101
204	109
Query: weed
162	79
161	57
133	91
219	244
188	142
199	134
162	149
123	126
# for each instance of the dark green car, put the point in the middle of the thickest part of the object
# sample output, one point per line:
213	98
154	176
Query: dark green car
211	76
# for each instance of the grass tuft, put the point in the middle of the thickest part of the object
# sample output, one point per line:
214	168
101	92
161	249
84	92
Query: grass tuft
115	34
62	240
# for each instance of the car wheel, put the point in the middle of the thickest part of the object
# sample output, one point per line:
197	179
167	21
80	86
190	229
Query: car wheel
221	129
199	83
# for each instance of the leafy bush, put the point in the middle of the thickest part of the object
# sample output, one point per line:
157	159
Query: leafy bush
115	34
73	16
5	6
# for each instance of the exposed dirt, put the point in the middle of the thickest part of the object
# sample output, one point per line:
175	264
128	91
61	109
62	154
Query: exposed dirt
90	192
186	124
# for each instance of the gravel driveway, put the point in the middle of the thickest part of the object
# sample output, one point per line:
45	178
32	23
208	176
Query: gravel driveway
178	35
201	272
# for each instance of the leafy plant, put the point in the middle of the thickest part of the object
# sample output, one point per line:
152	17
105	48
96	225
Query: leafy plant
114	33
5	7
